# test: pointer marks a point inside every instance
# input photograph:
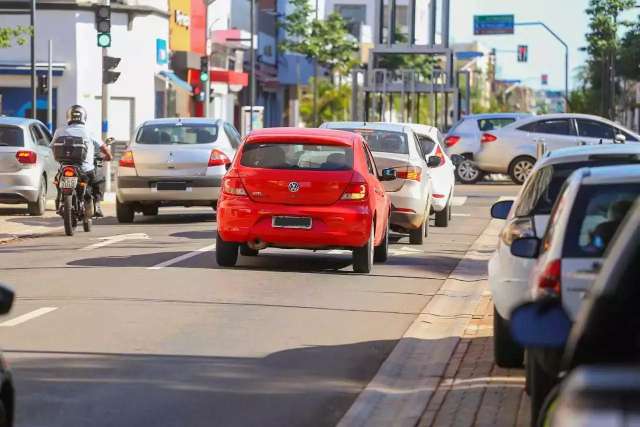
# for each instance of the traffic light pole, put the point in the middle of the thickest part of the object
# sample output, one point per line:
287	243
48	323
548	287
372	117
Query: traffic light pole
206	84
50	89
105	114
34	89
566	55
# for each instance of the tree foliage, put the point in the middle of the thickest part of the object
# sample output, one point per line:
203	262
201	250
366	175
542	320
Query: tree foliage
423	64
8	35
333	102
326	41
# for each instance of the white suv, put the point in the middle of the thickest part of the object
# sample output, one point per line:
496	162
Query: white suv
528	216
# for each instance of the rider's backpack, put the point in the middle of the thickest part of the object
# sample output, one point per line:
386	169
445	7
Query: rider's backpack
69	149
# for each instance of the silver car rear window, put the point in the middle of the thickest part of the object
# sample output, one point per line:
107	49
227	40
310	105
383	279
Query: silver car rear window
176	133
384	141
11	136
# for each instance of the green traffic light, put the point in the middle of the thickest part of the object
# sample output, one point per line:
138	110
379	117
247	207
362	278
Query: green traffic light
104	40
204	76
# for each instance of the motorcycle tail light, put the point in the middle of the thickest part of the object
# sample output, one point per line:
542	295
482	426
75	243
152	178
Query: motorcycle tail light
68	172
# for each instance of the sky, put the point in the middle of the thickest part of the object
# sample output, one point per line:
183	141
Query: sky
567	18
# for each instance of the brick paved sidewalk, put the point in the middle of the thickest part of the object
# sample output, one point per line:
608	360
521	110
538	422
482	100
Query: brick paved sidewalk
474	391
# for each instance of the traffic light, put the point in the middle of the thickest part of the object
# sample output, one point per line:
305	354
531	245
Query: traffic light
544	79
109	63
523	53
43	84
198	92
103	25
204	68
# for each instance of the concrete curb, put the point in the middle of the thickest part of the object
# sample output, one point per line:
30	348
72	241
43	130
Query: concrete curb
407	380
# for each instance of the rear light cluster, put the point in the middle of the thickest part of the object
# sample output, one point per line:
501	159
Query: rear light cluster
233	186
440	154
126	161
26	157
355	191
487	137
218	158
451	140
548	282
413	173
68	171
516	229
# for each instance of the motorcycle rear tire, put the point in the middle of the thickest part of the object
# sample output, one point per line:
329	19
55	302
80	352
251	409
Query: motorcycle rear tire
67	215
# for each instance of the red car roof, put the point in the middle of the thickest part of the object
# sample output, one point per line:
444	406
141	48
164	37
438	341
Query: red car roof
302	135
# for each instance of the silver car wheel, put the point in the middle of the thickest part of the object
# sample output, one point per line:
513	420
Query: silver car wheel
522	169
467	171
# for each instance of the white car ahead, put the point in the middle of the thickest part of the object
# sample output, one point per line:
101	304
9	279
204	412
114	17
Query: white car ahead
528	216
417	158
512	148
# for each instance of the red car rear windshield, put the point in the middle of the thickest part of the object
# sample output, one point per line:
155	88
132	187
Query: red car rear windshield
297	156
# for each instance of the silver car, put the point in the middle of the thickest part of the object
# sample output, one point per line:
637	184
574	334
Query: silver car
27	166
395	145
512	148
464	139
174	162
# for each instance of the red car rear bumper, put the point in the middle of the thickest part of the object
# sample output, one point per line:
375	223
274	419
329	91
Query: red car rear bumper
341	225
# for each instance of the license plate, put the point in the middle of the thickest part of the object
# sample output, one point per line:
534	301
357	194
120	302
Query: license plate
291	222
68	182
171	186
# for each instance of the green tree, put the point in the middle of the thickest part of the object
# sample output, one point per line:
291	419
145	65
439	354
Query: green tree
333	102
423	64
11	34
629	54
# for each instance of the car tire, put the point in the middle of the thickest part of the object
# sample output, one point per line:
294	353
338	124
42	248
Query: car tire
468	173
540	384
381	252
226	252
363	257
4	416
38	207
507	353
247	251
520	168
150	211
442	217
416	237
124	212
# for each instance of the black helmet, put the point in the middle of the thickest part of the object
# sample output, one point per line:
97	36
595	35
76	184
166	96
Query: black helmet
76	114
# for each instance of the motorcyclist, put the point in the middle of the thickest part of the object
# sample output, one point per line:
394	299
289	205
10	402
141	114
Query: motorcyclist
76	127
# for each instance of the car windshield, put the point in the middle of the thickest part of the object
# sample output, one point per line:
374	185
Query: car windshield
176	133
301	155
11	136
384	141
541	191
595	217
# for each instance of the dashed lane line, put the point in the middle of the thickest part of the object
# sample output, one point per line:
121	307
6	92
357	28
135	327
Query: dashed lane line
459	200
28	316
182	257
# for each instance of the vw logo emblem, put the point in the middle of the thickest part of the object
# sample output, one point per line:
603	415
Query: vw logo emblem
294	186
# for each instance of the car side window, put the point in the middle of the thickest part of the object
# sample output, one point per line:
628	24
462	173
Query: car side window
594	129
555	127
426	144
553	219
233	135
45	132
369	159
37	135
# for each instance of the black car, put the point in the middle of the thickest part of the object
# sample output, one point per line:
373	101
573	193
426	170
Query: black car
7	391
602	346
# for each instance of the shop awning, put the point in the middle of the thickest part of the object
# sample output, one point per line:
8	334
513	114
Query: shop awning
222	76
24	68
173	78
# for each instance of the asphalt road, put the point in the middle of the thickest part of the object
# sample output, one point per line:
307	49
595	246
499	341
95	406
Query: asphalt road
146	329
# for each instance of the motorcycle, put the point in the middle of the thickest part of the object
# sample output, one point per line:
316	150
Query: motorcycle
75	202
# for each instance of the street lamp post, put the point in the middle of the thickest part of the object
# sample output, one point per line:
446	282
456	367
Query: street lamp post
34	94
566	54
252	88
315	83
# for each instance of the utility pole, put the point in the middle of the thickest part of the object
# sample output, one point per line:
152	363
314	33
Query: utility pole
252	89
315	83
207	83
105	113
50	88
34	94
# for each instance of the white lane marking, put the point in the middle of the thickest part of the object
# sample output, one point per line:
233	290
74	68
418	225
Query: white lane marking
459	200
109	240
459	214
28	316
182	257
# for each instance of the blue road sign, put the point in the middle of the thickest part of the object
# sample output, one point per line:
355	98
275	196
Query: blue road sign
492	24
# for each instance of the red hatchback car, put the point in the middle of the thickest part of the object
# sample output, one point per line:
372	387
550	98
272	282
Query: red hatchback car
304	189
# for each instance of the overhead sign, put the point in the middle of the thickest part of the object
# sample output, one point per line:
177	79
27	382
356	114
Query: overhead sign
484	25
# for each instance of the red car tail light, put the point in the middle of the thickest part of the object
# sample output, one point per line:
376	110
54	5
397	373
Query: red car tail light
413	173
68	171
440	153
126	161
218	158
451	140
548	282
233	186
355	191
26	157
487	137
